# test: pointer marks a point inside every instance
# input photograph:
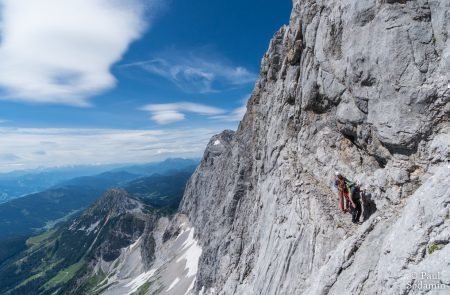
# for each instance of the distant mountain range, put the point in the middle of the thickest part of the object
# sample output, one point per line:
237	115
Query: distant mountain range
71	238
38	211
168	165
29	214
21	183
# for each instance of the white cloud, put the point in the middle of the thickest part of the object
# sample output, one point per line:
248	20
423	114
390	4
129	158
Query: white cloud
28	148
173	112
55	51
236	114
194	74
167	117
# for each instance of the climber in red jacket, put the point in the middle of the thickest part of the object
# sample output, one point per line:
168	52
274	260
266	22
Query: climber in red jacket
349	196
345	188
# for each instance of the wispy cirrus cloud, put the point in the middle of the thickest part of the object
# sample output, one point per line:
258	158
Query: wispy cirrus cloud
236	114
55	51
173	112
194	74
44	147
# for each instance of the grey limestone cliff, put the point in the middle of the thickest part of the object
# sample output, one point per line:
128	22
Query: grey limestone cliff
359	86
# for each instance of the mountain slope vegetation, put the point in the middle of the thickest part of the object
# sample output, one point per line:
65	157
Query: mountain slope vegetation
65	260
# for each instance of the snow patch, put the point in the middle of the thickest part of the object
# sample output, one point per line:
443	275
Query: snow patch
191	255
92	227
184	266
217	142
175	269
132	246
191	286
173	284
140	280
73	225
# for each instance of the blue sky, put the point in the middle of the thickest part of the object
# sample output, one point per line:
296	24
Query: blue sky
103	79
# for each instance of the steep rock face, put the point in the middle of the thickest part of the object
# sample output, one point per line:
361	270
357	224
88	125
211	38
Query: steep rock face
356	86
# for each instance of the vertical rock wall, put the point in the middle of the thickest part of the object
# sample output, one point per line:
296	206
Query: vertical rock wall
359	86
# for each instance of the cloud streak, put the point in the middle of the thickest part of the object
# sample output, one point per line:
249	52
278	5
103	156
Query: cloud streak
8	158
174	112
235	115
194	74
55	51
41	147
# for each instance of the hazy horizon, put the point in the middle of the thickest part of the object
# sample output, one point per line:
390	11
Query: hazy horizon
125	81
106	166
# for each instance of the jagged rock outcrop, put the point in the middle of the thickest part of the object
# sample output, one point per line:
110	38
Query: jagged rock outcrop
356	86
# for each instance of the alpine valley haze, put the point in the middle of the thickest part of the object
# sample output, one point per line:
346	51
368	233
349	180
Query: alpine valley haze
354	88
